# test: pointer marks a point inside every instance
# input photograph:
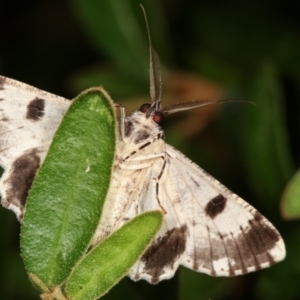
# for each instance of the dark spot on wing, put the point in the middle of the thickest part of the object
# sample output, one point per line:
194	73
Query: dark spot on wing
128	128
4	119
215	206
164	252
141	135
35	109
258	217
260	231
2	81
21	178
1	99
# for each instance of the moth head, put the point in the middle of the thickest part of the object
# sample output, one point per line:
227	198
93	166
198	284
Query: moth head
151	111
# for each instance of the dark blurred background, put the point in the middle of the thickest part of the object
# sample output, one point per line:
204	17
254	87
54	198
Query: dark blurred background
246	50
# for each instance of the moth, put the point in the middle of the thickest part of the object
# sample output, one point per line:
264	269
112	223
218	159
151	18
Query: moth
206	227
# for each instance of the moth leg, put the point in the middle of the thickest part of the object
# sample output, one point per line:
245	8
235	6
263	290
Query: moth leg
124	164
145	157
157	180
153	139
122	119
135	167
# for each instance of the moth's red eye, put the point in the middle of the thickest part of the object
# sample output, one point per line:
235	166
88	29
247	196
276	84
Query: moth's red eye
145	107
158	117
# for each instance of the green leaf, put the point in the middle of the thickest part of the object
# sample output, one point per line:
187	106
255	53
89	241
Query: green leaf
66	199
108	262
291	198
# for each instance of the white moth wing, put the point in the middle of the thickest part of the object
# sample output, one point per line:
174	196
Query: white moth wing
207	228
29	118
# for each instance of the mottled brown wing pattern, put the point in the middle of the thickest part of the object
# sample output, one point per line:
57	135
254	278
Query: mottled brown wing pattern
29	118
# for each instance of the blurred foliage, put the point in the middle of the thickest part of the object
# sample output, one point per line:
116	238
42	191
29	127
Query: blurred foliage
290	202
222	49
